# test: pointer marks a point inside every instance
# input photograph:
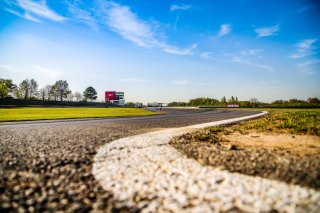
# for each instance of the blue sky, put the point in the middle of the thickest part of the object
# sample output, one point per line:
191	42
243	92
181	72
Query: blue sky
166	50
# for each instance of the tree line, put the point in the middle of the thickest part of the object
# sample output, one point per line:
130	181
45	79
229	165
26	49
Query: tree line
28	89
252	102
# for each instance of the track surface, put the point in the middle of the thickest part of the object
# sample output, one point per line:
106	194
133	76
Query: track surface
47	165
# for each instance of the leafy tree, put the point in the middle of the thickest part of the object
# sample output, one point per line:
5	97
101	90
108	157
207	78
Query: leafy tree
232	100
277	102
62	89
4	90
313	100
78	96
130	104
8	83
90	93
175	104
223	100
17	93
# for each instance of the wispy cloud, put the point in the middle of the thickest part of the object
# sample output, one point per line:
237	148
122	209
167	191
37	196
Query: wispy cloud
180	7
25	15
82	15
135	80
237	59
206	55
307	67
224	30
184	82
33	8
47	72
127	24
267	31
250	52
304	48
181	82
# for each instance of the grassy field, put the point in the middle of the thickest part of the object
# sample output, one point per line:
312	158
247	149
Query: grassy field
46	113
289	121
294	121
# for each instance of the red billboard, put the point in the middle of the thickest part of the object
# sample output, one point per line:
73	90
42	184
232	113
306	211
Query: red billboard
110	95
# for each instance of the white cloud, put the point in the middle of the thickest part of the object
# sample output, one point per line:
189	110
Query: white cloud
181	82
250	52
135	80
81	15
34	8
307	72
267	31
309	63
180	7
224	29
47	72
304	48
177	51
206	55
124	22
25	16
237	59
307	67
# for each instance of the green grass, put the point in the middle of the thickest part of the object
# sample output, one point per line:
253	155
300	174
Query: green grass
294	121
46	113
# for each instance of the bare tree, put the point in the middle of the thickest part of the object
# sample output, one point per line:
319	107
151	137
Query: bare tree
62	88
54	93
78	96
28	88
42	94
70	96
24	88
254	100
48	91
33	88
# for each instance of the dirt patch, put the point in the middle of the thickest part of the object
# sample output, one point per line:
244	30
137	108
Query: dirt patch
295	144
290	158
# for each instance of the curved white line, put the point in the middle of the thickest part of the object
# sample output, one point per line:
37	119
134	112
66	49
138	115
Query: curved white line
145	172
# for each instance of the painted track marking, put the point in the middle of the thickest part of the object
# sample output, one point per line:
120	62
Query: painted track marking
144	172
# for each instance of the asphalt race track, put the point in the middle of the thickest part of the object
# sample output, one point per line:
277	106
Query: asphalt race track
47	165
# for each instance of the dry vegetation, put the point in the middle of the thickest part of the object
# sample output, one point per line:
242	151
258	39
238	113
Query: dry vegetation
284	145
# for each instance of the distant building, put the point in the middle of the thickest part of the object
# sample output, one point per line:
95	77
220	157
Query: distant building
233	105
115	97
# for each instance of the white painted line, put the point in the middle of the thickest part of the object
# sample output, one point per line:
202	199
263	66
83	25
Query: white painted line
145	172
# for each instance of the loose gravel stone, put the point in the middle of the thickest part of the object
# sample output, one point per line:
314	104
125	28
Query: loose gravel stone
279	165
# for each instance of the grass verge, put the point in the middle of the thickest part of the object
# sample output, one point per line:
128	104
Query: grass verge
45	113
